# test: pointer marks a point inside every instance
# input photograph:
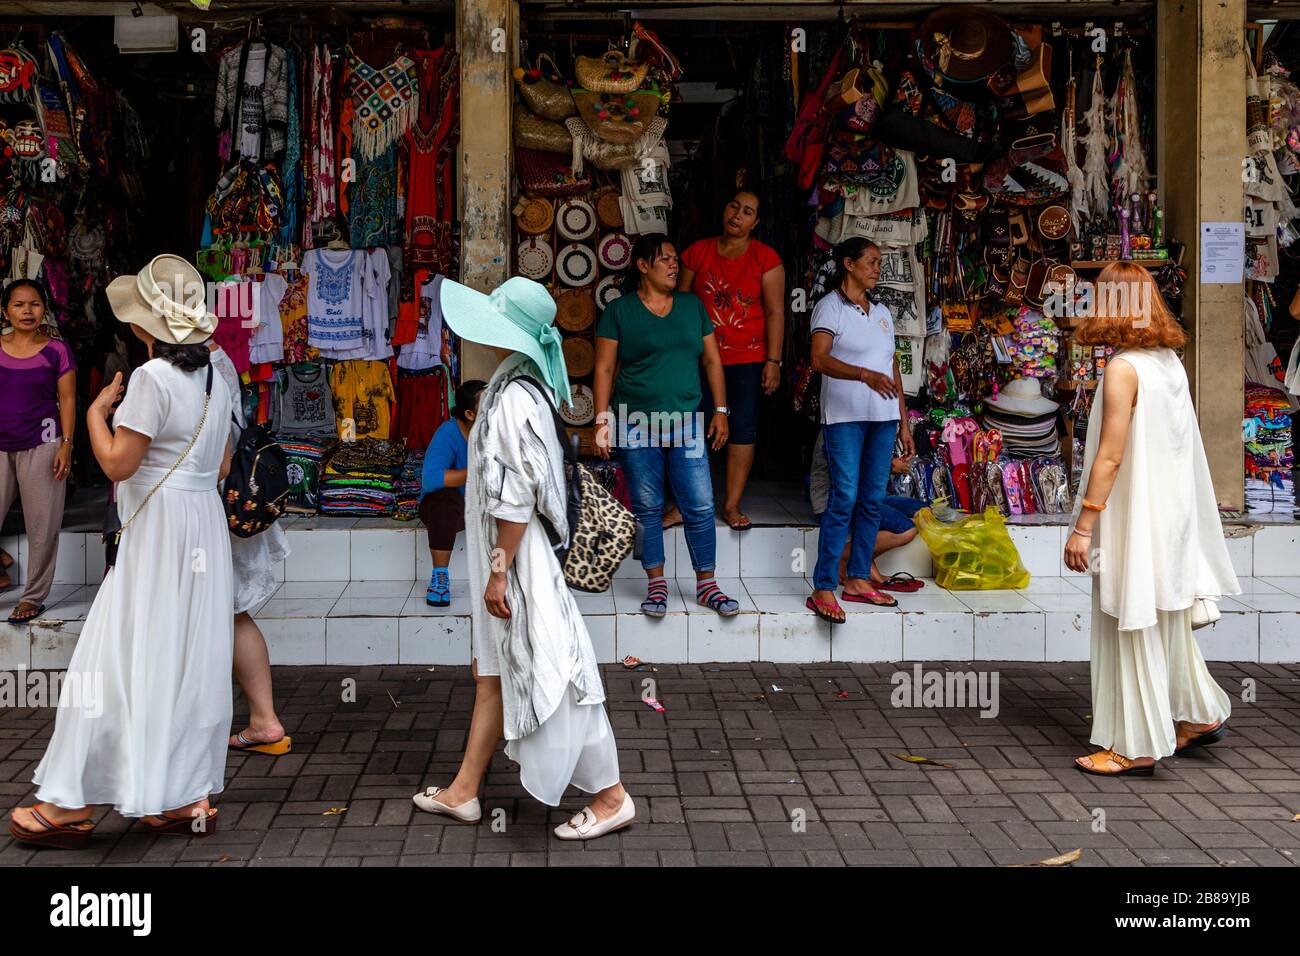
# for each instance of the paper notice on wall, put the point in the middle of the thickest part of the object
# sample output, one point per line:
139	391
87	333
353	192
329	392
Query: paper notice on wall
1223	252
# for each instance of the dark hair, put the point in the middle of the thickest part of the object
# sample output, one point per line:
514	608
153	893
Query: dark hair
647	247
36	284
854	247
187	358
466	395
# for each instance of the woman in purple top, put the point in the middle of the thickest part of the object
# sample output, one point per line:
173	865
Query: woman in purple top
38	380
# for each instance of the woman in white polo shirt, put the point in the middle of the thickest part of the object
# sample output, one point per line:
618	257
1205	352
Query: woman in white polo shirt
862	403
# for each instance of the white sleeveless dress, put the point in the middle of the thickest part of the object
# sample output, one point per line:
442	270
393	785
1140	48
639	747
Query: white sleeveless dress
144	715
1158	546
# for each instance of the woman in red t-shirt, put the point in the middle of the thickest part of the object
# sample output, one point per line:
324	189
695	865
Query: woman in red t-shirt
742	284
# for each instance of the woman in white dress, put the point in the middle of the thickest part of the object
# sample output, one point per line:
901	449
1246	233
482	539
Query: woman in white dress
534	666
1146	526
145	709
253	561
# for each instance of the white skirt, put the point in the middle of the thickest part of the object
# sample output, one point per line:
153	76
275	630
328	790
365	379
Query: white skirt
144	714
254	560
1144	681
575	745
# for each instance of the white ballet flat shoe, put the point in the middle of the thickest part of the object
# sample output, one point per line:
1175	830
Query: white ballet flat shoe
585	826
467	812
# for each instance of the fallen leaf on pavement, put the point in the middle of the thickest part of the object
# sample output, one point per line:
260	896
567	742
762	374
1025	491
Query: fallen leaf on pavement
913	758
1063	860
334	811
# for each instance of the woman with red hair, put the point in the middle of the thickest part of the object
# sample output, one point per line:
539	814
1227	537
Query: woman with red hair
1146	526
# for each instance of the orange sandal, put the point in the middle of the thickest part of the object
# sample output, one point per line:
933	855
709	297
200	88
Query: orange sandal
1126	767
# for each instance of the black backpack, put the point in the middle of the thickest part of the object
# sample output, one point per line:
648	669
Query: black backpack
257	487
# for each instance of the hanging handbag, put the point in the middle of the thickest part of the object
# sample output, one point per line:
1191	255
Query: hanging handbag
611	73
257	486
546	175
606	155
807	398
601	531
113	525
807	140
533	132
618	117
545	93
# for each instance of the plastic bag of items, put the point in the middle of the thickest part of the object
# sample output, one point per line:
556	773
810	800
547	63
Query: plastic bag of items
971	553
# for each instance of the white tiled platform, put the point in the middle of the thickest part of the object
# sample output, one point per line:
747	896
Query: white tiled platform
353	593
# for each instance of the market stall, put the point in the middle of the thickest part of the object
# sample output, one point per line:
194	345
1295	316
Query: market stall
1000	164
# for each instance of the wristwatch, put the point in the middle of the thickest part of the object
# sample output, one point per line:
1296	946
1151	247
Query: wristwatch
722	410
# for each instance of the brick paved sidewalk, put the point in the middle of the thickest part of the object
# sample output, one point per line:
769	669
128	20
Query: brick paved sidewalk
727	775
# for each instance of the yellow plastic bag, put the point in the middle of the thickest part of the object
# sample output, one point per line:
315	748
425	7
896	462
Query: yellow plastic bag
973	553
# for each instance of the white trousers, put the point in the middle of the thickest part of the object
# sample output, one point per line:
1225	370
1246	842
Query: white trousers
1143	681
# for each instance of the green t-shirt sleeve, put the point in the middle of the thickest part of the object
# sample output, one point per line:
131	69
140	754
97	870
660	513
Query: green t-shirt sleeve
607	327
706	324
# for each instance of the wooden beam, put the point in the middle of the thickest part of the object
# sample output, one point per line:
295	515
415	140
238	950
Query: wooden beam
486	35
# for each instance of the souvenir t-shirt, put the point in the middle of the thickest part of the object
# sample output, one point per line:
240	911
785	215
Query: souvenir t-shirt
306	406
29	413
363	393
864	339
426	351
335	299
267	344
732	293
374	332
658	356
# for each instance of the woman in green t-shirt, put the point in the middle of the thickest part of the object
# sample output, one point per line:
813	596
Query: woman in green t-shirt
657	339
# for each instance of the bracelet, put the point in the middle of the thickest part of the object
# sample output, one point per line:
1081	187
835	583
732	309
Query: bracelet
776	362
1091	507
1081	534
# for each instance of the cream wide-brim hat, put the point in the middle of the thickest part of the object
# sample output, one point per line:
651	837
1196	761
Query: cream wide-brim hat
167	298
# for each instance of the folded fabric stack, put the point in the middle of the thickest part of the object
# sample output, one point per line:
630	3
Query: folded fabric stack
1025	436
360	479
407	488
303	457
1276	495
1267	434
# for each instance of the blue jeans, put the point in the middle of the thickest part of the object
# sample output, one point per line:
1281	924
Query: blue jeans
896	513
858	455
686	464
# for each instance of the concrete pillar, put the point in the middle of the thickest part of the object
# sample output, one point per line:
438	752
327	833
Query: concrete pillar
486	36
1201	141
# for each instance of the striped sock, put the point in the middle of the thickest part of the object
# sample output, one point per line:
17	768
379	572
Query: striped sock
656	595
711	596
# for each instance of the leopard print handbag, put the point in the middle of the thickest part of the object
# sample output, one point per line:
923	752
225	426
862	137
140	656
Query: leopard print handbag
601	531
601	537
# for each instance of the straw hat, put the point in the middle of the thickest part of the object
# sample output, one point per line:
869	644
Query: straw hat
1023	396
167	298
966	44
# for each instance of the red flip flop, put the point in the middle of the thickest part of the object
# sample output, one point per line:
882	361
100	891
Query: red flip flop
901	581
866	599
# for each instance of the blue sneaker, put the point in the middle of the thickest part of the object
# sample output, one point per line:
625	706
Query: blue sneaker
439	593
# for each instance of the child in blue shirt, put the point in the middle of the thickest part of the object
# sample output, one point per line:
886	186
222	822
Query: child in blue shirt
442	488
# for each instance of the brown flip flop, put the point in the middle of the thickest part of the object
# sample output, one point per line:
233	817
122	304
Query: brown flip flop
183	826
67	836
